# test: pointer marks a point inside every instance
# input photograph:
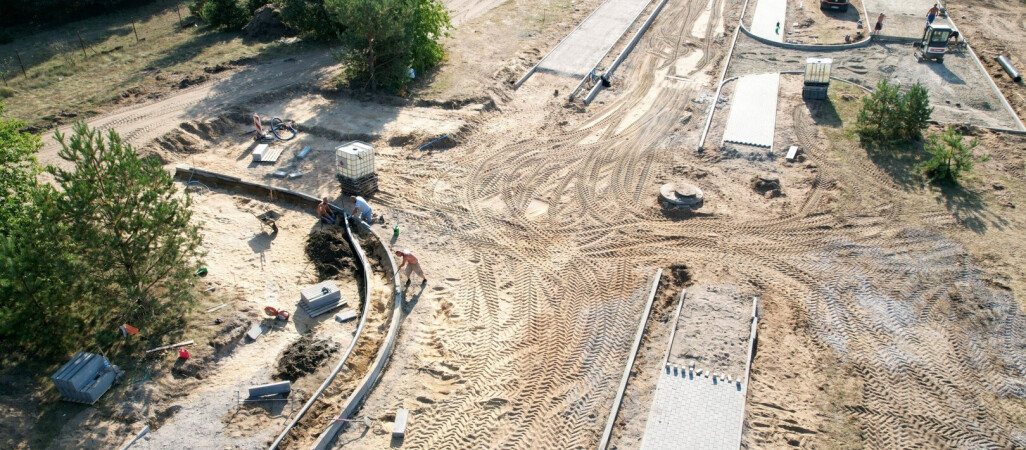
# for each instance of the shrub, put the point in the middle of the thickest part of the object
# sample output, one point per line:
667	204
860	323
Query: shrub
889	116
950	157
223	14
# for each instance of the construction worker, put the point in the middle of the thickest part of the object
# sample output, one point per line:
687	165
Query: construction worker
362	209
932	14
324	212
412	265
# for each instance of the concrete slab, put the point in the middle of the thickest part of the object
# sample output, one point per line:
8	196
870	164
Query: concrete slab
585	47
769	18
753	111
693	411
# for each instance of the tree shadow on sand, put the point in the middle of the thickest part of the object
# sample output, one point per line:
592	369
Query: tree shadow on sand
969	208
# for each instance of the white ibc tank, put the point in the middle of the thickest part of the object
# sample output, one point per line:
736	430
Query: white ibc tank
354	160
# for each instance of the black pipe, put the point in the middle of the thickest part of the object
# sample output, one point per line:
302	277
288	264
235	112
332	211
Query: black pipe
1007	65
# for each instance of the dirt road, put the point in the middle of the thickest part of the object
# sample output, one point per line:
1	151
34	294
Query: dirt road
141	123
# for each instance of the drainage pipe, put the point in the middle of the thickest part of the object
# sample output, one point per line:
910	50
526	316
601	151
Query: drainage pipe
1007	65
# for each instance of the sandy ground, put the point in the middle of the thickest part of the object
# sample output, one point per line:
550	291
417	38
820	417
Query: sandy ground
264	270
713	331
890	308
810	24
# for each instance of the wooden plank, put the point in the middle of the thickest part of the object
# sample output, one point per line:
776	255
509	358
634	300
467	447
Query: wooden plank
166	347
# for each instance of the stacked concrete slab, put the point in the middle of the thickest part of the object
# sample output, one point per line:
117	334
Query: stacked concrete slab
320	298
85	378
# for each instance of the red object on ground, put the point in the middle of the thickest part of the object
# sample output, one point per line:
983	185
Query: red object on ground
284	315
183	353
270	311
129	330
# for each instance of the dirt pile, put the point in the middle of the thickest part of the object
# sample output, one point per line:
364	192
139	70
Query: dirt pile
304	357
330	254
767	185
266	24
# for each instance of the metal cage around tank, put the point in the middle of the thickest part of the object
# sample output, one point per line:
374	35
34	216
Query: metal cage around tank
354	168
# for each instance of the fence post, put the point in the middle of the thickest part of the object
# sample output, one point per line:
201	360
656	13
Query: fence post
21	63
82	42
178	9
136	32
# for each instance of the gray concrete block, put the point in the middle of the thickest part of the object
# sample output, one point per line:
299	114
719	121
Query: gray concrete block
401	418
264	390
255	331
345	315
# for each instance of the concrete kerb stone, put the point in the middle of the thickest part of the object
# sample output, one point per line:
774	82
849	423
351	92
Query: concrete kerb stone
220	179
381	360
673	331
809	47
607	433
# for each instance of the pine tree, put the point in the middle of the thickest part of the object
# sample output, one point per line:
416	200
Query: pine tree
131	225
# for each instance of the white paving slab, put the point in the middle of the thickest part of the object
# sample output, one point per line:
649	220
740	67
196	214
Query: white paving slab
690	411
769	13
753	111
585	47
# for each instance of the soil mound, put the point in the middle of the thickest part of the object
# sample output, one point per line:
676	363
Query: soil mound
266	24
767	185
304	357
330	254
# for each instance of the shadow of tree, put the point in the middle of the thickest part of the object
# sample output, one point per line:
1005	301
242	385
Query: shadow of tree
969	208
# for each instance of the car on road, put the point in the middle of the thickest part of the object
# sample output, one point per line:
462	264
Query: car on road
836	5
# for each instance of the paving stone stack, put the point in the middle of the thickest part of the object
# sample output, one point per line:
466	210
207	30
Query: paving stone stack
320	298
85	378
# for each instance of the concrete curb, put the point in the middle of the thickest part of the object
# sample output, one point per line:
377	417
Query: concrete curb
809	47
384	354
630	364
673	331
216	179
723	74
626	51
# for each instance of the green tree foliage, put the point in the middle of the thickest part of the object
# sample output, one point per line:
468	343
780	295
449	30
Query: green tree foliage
383	39
229	15
112	243
889	116
311	17
127	212
18	170
950	157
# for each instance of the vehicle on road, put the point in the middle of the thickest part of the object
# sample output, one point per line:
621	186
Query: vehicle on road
835	5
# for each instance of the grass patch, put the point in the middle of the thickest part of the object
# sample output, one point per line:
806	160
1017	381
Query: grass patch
116	68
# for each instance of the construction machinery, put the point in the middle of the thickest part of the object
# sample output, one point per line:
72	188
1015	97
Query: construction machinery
934	43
